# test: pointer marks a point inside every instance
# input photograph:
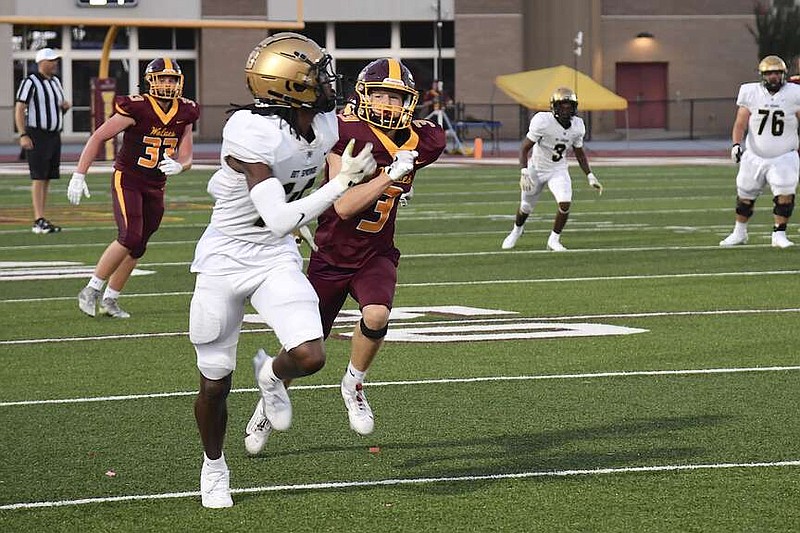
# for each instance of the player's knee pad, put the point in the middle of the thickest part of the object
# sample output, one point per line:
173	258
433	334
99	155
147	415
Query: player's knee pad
375	334
563	207
783	210
744	207
138	251
215	362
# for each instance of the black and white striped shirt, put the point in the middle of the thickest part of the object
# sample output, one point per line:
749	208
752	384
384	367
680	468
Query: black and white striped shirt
44	98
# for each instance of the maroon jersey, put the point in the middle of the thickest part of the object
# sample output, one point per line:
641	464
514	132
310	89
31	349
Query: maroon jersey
351	243
156	132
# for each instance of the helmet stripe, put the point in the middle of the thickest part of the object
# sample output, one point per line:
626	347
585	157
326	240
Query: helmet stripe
394	70
168	64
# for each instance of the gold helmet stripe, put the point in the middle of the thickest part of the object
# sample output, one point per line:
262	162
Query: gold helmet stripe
394	70
168	64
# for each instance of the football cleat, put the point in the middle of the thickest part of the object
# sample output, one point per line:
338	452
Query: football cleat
779	240
42	225
110	307
215	488
358	411
258	430
88	299
275	400
511	241
554	245
735	239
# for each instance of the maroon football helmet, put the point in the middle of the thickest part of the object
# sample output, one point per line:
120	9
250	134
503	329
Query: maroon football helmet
154	75
388	75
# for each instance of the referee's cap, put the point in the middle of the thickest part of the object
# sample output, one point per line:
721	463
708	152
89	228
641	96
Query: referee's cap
47	54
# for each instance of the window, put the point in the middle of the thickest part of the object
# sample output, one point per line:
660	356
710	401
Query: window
363	34
417	34
82	74
316	32
36	37
93	37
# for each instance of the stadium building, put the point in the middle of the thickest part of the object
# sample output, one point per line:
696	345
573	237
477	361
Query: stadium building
678	63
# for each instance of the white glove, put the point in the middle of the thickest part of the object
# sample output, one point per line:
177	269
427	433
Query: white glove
169	166
525	181
403	164
77	188
406	197
594	182
304	234
736	153
355	169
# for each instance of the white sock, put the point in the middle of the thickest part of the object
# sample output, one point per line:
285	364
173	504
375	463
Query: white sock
216	464
96	283
110	293
352	377
267	373
555	236
740	228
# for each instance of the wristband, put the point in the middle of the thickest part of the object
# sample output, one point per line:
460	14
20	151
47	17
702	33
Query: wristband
21	135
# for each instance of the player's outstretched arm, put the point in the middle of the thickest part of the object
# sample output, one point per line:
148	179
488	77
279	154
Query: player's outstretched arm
283	217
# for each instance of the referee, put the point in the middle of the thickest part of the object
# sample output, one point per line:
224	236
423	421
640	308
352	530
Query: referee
38	115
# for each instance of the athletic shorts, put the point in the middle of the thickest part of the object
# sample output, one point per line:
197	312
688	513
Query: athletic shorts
44	160
558	181
280	293
372	284
755	173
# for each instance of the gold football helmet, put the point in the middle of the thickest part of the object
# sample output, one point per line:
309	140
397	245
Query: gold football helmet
290	70
390	75
564	103
772	64
154	75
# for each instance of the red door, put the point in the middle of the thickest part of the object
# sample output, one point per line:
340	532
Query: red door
644	85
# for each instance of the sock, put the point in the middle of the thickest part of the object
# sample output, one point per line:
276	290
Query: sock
740	228
216	464
779	227
554	236
267	373
96	283
110	293
352	377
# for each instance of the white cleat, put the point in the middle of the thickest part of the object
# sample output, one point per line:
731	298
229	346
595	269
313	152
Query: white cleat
215	488
555	246
358	410
511	241
88	299
735	239
779	240
258	430
110	307
275	400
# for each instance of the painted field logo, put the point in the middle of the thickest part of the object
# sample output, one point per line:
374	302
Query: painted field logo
460	324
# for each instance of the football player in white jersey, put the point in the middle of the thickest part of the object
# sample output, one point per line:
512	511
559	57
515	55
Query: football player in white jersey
550	135
271	152
769	111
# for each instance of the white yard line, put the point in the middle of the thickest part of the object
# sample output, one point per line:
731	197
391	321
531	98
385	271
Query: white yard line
477	282
398	482
441	381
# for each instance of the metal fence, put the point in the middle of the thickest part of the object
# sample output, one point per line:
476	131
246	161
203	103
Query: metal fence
685	118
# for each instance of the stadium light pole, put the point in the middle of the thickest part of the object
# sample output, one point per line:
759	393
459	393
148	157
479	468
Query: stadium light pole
438	37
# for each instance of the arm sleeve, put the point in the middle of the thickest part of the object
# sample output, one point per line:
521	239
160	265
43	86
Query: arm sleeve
282	217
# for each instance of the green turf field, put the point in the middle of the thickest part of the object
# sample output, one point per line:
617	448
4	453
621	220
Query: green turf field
646	380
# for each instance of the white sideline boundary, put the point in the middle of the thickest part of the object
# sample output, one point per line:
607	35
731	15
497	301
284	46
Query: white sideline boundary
396	482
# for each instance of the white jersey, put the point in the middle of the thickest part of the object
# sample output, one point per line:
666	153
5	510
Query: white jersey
553	141
772	129
295	162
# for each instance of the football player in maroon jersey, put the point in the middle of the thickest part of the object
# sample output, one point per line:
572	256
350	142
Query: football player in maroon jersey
355	237
156	143
354	252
